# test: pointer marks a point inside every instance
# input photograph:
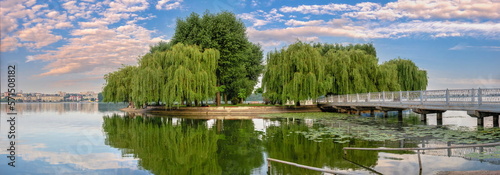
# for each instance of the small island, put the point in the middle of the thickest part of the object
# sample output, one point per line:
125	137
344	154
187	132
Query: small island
210	60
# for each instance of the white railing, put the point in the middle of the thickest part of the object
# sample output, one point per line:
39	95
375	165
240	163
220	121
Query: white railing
467	97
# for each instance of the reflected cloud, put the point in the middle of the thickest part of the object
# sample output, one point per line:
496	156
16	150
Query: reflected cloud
91	161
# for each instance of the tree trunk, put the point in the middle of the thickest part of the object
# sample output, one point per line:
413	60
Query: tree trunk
225	99
196	103
217	99
298	103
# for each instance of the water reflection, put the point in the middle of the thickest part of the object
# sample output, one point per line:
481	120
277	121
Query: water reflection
61	108
163	148
77	139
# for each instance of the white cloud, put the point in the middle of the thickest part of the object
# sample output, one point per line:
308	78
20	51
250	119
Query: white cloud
92	48
98	49
422	9
317	9
366	31
128	5
260	18
8	44
168	4
462	46
290	35
40	35
294	22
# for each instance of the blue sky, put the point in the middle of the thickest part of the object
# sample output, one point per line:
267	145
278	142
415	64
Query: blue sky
69	45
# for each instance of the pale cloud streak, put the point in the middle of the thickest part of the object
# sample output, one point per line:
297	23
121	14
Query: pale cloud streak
367	20
422	9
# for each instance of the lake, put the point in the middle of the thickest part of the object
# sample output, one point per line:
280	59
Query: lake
97	138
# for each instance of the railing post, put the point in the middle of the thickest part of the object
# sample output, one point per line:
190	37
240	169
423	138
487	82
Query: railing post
472	95
479	96
400	97
383	96
407	95
368	98
357	97
422	97
447	97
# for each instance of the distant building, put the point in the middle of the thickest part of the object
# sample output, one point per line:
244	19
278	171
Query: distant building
75	98
51	98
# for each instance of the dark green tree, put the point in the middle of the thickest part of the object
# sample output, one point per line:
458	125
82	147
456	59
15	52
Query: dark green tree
240	60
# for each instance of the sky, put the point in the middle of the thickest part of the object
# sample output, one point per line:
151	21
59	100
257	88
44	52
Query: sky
69	45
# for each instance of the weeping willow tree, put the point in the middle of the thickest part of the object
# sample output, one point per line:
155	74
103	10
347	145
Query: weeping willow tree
147	84
387	78
190	74
117	87
354	71
410	77
295	73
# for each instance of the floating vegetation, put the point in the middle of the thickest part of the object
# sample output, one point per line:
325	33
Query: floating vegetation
485	155
342	128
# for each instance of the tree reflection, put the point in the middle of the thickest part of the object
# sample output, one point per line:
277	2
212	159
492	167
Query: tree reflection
186	147
283	143
163	148
240	150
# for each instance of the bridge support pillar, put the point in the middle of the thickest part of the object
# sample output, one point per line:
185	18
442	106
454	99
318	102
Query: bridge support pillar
439	118
423	117
400	115
495	120
385	114
480	121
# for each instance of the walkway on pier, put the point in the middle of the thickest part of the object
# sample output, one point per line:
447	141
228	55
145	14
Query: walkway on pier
478	103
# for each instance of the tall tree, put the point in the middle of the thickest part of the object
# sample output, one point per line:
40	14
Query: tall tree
240	60
117	87
295	73
353	71
410	77
149	80
190	74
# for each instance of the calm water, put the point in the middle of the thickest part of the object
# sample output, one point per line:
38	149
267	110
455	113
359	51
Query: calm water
91	138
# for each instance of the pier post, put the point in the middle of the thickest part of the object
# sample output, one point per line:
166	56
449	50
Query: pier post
372	113
439	118
385	114
480	121
423	117
400	115
495	120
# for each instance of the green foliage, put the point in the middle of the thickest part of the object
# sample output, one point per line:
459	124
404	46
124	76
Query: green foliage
295	73
164	148
180	73
240	61
117	87
354	71
410	77
301	71
190	74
